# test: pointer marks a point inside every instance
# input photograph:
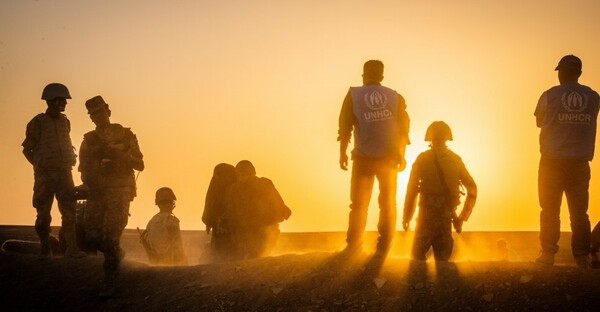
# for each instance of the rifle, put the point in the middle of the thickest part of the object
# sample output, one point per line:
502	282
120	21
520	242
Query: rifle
152	256
457	223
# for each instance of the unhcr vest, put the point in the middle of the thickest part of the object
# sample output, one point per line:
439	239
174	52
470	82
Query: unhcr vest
376	132
54	149
568	129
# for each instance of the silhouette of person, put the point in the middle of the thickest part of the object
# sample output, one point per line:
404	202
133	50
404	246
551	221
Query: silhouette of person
378	117
567	116
254	210
47	146
595	246
163	233
108	157
214	207
436	177
505	253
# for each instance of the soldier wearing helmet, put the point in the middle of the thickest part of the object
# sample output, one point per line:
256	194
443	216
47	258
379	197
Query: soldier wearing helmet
47	146
377	117
108	157
163	234
436	177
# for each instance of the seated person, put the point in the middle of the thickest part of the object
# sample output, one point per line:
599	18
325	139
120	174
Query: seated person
162	236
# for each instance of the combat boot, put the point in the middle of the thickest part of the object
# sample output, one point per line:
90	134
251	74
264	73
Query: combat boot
108	287
595	263
73	250
545	258
45	250
583	262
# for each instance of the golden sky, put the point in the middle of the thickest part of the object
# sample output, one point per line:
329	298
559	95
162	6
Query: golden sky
204	82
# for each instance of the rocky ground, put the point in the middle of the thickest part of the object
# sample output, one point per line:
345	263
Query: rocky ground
307	281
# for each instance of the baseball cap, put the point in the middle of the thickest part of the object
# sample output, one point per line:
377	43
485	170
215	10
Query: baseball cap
569	62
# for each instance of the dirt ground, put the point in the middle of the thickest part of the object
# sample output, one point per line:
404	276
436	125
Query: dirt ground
307	280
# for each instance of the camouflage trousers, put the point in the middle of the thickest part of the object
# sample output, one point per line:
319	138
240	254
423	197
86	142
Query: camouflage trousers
106	215
47	185
433	233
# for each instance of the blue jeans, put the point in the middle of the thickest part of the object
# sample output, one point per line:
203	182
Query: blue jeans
364	172
572	178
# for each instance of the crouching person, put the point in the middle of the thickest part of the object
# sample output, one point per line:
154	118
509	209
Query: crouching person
162	236
253	212
437	175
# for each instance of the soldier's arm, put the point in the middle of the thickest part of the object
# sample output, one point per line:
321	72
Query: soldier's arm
32	136
136	158
471	187
84	162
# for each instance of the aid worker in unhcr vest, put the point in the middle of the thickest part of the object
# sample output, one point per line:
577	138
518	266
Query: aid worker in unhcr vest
48	148
436	177
378	117
108	157
567	116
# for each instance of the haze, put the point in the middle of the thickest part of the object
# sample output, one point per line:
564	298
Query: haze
204	82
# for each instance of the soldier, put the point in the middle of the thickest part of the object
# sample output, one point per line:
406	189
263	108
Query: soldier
47	146
109	155
566	115
214	208
254	211
162	232
378	117
437	175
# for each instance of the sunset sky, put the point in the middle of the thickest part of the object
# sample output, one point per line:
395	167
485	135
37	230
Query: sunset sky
204	82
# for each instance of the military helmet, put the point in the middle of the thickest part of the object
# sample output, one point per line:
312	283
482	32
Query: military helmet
55	90
164	193
438	130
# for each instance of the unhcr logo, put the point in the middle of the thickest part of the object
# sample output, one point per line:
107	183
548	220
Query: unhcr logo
574	102
376	100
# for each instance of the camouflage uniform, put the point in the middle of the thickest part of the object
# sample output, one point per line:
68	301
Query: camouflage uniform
434	223
164	236
254	210
108	157
47	146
